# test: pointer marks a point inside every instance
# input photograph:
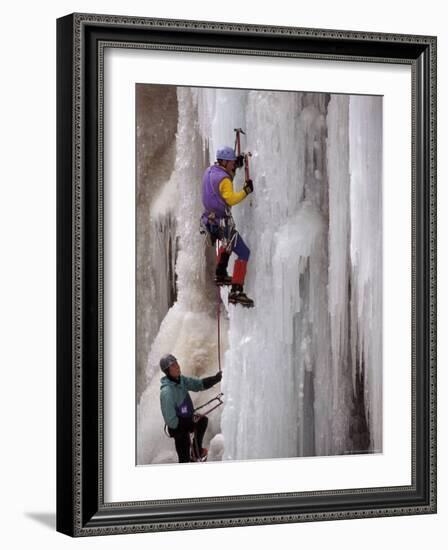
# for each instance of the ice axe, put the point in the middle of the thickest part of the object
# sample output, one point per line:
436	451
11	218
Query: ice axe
245	156
237	148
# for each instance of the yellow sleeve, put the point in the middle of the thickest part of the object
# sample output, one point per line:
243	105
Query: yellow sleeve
228	194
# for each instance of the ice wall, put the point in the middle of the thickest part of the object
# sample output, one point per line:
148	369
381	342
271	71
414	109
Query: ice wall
302	370
278	351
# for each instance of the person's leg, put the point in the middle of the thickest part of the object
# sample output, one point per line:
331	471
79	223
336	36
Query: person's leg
240	248
242	251
237	296
222	260
200	428
183	443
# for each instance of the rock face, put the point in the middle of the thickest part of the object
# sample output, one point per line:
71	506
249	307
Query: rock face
156	113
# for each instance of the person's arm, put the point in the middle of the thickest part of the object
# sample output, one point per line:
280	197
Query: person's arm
169	410
199	384
228	194
212	380
192	383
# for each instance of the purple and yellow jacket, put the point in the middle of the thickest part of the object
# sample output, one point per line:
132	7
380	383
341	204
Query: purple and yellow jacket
218	195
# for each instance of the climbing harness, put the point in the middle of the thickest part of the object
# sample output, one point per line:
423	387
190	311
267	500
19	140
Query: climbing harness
227	234
197	416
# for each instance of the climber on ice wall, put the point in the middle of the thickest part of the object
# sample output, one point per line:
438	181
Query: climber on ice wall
177	409
218	197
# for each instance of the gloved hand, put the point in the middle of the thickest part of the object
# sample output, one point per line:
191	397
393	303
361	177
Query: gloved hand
211	380
239	161
249	187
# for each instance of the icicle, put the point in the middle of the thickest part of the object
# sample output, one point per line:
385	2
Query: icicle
366	253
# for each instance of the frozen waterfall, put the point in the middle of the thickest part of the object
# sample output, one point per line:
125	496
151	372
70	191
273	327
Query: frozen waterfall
302	371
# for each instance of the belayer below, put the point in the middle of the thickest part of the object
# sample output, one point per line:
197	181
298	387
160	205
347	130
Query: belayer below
218	197
177	409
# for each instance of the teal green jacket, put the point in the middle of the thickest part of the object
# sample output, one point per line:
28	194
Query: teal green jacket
175	400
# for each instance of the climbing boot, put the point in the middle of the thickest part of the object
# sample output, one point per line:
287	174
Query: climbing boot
237	296
203	455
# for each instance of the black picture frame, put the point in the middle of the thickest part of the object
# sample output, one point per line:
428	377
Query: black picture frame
81	509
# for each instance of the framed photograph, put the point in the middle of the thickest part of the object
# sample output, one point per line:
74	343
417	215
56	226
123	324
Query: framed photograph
246	274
